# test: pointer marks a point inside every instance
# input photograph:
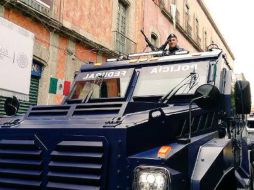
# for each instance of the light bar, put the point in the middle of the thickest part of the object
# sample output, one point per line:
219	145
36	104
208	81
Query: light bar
181	52
111	60
145	54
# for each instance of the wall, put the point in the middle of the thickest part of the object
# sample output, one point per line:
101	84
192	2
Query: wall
50	49
96	20
157	19
92	19
205	24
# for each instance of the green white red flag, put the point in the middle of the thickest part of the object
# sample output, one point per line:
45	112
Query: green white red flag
59	86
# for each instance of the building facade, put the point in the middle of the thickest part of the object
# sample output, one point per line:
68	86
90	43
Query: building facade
71	33
194	25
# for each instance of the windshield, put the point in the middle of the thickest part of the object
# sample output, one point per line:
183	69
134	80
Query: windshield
159	80
251	123
102	84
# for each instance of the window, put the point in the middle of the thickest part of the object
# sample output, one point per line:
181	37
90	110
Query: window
121	18
102	84
44	6
198	40
187	19
154	39
177	14
121	27
205	40
197	27
159	80
187	15
251	123
162	3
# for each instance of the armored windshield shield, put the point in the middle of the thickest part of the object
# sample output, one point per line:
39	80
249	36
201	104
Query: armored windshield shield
102	84
158	80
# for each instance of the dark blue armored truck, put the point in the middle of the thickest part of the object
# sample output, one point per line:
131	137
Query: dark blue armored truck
150	122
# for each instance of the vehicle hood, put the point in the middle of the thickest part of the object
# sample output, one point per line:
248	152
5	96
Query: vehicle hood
116	115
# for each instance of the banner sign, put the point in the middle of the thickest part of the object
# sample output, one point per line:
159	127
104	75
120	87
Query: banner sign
16	54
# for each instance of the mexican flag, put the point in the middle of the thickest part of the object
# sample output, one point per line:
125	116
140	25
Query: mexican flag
59	86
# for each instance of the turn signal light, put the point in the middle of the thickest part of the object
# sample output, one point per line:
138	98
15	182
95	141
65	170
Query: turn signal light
164	151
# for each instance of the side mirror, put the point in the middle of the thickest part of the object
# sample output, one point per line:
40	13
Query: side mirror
207	96
11	106
242	97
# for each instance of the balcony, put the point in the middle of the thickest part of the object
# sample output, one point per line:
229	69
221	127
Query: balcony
123	44
43	8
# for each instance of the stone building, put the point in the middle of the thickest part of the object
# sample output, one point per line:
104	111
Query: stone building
66	36
71	33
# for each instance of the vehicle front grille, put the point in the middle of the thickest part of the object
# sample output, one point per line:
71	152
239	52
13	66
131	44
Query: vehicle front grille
20	165
76	165
48	111
63	111
91	109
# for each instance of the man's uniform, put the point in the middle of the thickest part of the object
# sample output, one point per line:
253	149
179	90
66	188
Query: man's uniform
172	51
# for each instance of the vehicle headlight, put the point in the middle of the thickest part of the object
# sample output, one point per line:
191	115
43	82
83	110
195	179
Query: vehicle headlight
151	178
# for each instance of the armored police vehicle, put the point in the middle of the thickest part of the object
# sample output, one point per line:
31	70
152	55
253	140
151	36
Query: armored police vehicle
149	122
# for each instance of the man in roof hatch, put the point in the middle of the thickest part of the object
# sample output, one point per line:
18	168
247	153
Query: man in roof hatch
173	45
171	42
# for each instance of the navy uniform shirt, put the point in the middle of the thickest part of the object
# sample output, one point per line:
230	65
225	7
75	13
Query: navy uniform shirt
172	51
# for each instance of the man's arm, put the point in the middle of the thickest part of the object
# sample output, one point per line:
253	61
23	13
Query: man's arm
163	47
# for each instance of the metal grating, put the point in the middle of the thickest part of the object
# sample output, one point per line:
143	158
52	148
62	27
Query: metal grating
20	165
76	165
90	109
48	111
79	110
